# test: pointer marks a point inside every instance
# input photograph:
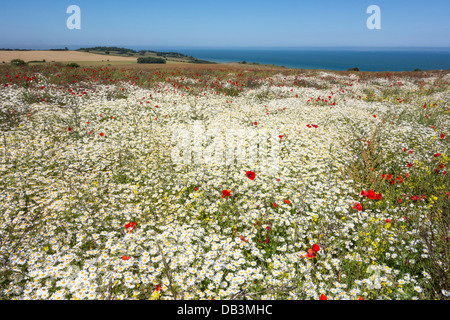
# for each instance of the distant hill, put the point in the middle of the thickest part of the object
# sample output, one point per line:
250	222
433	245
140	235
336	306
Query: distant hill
173	56
109	49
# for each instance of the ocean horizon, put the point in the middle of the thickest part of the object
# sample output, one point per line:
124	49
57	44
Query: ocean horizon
339	59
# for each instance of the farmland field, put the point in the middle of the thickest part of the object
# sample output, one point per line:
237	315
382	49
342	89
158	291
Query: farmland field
223	182
59	56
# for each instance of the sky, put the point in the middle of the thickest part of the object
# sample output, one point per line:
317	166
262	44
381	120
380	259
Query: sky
42	24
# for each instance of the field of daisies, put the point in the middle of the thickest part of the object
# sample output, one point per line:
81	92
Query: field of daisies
96	204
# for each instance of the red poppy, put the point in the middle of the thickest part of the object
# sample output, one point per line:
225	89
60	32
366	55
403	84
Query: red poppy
126	258
437	155
442	136
274	205
255	123
251	175
357	206
243	239
315	247
323	297
311	253
379	196
409	165
130	226
101	134
387	220
226	193
371	194
287	201
158	287
69	129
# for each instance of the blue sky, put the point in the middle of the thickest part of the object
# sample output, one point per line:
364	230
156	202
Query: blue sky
234	23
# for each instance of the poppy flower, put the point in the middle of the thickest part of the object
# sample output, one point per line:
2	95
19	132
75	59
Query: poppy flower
130	226
371	194
243	239
287	201
357	206
311	253
388	220
69	129
409	165
255	123
274	205
251	175
437	155
126	258
323	297
315	247
226	193
101	134
442	136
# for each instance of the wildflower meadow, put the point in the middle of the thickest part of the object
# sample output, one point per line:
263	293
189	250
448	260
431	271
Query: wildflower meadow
218	183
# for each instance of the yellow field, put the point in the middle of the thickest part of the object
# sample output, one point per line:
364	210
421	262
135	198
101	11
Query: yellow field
60	56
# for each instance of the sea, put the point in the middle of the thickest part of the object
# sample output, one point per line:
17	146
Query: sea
341	59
